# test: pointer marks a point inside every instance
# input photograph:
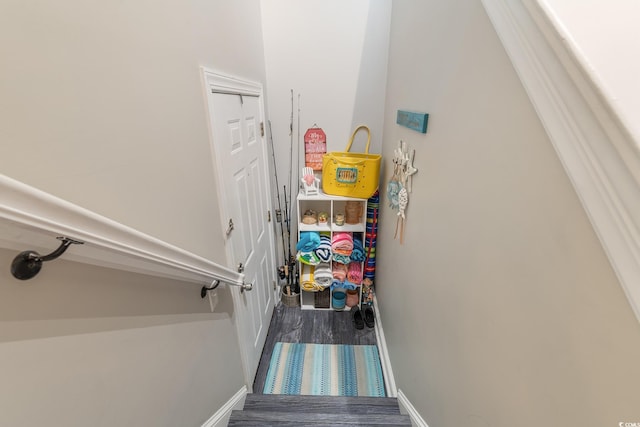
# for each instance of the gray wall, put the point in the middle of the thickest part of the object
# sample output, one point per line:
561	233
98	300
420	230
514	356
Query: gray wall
501	308
101	103
84	345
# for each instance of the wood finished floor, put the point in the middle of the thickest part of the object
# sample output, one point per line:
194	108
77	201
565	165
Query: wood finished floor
291	324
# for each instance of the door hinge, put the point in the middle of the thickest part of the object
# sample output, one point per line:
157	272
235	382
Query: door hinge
261	128
269	216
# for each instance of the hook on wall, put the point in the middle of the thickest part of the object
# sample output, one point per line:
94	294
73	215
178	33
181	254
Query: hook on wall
28	263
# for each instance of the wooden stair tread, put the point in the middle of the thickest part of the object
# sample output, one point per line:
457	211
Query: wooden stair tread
249	418
322	404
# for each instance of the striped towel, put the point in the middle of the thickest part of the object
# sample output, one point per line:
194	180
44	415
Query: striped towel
323	251
323	275
354	275
307	275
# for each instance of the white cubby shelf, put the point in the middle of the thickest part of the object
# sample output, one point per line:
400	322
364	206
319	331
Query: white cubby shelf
332	205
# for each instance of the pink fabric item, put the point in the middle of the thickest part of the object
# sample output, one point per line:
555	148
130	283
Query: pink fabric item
342	243
340	272
354	274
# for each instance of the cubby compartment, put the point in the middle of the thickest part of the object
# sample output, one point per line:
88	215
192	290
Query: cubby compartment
317	208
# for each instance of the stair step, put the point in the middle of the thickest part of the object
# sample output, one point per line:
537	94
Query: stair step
249	418
322	404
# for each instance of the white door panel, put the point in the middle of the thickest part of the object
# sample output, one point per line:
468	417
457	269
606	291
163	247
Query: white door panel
242	156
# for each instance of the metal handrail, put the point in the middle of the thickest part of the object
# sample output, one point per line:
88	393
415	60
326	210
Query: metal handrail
27	264
42	212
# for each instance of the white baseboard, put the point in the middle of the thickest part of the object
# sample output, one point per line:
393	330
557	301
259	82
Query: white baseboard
387	372
407	408
222	415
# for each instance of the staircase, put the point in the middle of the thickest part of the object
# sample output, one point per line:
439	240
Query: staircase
287	410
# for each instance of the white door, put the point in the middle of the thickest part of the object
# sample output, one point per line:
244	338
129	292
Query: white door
242	157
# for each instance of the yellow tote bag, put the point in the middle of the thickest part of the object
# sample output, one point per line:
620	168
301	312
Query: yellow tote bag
351	174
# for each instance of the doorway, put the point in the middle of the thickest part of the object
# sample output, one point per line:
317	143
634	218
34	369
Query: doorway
236	117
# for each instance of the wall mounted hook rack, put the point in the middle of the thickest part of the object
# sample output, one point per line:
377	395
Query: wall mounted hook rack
28	263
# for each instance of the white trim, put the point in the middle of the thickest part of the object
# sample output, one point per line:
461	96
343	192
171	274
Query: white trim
33	218
385	361
222	83
214	82
222	415
407	408
597	151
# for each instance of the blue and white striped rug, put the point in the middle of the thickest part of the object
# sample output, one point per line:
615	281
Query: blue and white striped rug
325	370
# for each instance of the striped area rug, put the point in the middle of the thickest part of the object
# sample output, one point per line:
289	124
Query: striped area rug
325	370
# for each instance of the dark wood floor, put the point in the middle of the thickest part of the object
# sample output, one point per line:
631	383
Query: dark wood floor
291	324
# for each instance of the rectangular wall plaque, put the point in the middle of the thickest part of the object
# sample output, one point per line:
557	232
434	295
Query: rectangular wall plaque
413	120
